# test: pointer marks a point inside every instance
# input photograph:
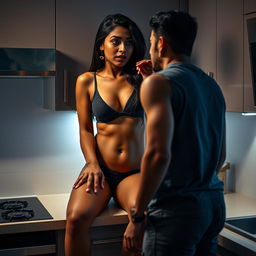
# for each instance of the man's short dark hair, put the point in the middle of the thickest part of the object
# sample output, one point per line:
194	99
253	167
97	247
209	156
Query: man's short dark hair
179	28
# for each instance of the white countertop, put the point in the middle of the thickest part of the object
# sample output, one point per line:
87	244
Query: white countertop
56	205
236	205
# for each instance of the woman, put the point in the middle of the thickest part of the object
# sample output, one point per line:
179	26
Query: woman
109	92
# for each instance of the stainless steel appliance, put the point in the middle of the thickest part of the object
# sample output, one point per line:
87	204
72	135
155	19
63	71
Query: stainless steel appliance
27	62
250	62
245	226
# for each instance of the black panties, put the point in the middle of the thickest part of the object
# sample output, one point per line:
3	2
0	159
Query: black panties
113	178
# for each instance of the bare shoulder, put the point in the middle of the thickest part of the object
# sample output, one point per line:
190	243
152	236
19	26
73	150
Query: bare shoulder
84	84
85	79
154	85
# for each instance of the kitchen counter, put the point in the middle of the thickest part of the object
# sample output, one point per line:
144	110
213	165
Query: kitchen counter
56	205
237	205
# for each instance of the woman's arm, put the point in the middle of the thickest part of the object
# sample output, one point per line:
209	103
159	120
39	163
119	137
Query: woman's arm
91	172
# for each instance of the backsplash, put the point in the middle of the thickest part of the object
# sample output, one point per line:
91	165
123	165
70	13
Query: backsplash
40	151
241	151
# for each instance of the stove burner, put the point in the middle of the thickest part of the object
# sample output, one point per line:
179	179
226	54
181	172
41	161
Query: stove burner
13	215
22	209
13	205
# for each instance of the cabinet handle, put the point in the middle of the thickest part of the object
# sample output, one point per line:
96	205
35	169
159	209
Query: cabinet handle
65	85
108	241
210	74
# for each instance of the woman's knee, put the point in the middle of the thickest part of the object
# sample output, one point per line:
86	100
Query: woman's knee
77	219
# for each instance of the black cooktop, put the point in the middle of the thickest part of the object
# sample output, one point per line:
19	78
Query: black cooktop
22	209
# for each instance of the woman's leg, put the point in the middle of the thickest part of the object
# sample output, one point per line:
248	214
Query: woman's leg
81	211
126	192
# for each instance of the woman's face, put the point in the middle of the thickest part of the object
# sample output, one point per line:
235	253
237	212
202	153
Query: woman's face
118	47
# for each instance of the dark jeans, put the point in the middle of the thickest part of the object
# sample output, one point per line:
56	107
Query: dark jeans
189	227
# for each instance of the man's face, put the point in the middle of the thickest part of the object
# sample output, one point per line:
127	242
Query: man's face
153	51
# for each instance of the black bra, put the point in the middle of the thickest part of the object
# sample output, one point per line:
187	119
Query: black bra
104	113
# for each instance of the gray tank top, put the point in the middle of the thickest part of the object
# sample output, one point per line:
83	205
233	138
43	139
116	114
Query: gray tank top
199	117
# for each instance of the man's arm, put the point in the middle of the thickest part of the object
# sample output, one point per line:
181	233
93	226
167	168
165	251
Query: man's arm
155	99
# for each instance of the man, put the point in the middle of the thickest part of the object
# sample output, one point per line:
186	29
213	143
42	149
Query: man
185	147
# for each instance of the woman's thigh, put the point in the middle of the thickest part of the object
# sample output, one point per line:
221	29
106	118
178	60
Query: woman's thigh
126	191
83	205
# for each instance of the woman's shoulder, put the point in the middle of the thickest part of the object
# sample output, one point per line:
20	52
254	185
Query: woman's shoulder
85	79
84	83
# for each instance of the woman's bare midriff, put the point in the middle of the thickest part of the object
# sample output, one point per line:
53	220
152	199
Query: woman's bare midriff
120	143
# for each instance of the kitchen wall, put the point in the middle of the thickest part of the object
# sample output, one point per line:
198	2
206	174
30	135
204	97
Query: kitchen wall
40	152
39	148
241	152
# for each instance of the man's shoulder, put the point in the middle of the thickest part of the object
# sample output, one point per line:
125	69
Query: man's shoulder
154	80
155	84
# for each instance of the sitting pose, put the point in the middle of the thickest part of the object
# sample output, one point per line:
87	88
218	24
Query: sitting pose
109	92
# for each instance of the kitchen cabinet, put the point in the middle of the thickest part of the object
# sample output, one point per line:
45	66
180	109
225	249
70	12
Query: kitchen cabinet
219	49
31	24
27	24
30	243
59	91
249	6
106	239
204	50
230	52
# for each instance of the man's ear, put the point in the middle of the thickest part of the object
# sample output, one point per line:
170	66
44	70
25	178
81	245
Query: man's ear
162	45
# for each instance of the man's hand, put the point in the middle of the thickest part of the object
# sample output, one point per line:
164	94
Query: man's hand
133	237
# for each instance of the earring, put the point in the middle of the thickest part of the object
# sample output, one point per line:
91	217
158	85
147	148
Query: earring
102	55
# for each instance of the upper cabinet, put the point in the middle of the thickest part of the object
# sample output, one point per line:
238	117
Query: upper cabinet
220	48
230	52
32	24
27	24
249	6
204	50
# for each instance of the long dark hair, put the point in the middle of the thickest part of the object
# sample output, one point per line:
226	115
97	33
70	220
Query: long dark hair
139	46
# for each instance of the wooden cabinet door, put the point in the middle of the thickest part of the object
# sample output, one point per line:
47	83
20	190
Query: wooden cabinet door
204	50
27	24
230	52
249	6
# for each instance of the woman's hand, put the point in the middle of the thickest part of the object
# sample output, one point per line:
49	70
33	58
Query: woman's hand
93	176
144	67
